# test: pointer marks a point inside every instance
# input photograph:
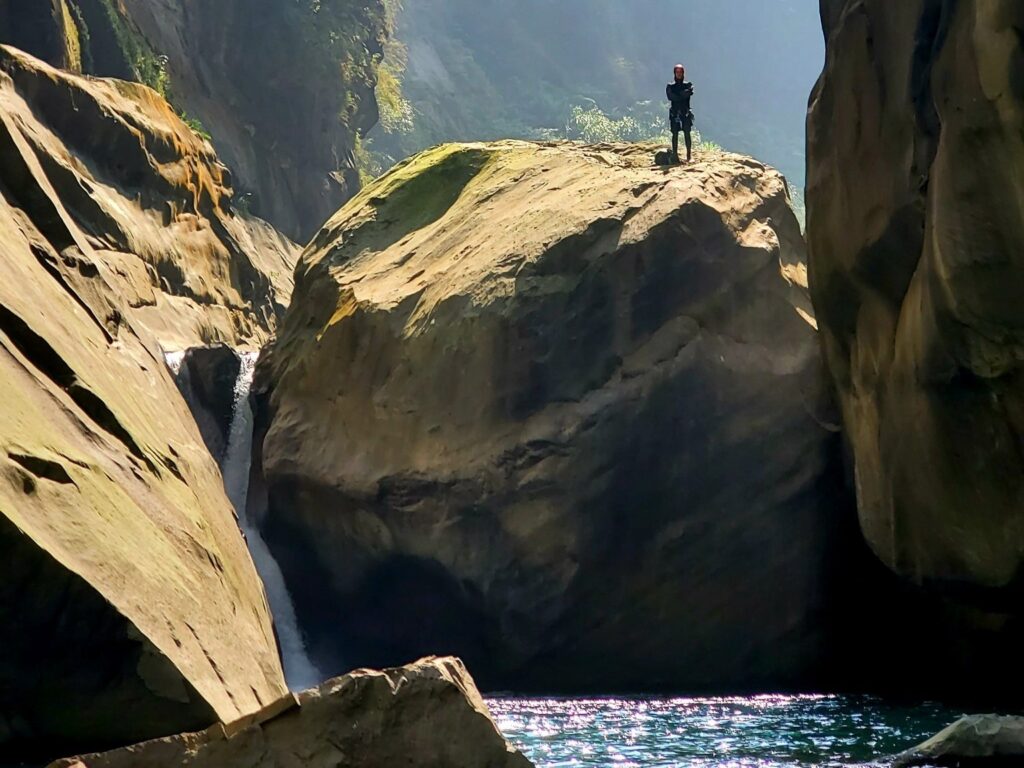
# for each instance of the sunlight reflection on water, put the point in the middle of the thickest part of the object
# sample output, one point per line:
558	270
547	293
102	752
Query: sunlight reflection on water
741	732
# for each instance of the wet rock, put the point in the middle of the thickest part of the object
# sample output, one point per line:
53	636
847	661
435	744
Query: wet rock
553	409
976	741
207	379
425	715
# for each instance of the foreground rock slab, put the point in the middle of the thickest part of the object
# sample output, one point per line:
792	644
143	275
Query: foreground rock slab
551	408
425	715
976	741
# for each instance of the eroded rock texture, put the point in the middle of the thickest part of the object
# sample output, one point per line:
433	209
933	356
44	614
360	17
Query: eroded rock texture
147	202
916	237
129	607
424	715
550	408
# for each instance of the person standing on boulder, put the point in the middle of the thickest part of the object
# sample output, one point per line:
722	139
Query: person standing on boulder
680	117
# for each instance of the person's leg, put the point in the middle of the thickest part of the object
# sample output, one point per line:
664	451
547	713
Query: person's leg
689	146
675	146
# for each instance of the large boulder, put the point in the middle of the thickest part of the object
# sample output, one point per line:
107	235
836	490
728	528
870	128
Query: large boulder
916	239
424	715
552	408
129	606
971	742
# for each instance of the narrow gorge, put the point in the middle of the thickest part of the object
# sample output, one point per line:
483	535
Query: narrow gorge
237	454
357	358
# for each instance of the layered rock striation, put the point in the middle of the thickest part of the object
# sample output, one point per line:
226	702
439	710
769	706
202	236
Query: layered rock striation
129	192
552	408
129	606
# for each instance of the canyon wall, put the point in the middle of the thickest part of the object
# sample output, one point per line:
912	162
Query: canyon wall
285	89
129	606
915	232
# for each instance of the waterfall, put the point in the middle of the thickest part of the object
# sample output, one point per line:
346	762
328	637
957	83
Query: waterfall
298	669
174	361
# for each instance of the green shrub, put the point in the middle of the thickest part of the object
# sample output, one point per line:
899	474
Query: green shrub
702	145
196	125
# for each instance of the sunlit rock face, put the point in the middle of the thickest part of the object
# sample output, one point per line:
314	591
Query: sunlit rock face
916	238
129	606
551	408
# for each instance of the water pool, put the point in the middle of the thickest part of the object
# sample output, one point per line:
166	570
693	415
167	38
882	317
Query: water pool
740	732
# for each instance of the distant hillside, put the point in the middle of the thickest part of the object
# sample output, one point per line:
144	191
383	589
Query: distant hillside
483	69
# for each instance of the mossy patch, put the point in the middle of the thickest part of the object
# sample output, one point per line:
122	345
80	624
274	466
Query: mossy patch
414	195
73	43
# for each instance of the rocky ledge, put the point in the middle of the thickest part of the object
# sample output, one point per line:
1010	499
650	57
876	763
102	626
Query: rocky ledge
425	715
552	408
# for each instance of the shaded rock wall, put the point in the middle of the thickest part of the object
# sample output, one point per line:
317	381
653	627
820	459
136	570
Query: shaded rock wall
424	715
283	104
283	88
552	409
43	27
207	380
129	605
916	155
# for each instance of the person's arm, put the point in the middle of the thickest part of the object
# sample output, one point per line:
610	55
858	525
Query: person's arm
668	93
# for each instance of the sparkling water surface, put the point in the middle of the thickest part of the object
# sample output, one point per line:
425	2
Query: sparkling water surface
747	732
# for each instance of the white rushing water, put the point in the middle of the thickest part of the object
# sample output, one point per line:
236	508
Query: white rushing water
298	669
174	361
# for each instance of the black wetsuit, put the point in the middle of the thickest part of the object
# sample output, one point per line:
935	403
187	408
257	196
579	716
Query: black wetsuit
680	117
